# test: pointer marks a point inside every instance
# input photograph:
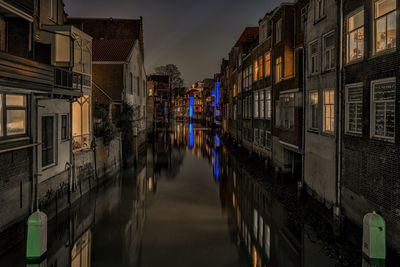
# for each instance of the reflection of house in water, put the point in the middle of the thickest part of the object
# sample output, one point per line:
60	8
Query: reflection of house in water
260	225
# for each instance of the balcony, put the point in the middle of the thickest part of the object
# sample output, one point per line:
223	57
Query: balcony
24	73
21	73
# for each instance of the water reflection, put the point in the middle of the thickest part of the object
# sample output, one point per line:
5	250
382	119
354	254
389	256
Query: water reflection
188	202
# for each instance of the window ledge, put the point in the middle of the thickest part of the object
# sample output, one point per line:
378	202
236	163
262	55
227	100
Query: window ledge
315	131
328	134
353	134
354	61
316	21
49	167
383	139
384	52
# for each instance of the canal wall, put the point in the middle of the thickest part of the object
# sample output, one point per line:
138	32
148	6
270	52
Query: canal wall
17	194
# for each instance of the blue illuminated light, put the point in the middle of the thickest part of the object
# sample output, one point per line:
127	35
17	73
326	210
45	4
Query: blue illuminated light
191	103
216	164
191	137
217	141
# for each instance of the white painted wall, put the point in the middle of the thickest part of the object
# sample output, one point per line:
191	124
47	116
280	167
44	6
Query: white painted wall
56	108
135	65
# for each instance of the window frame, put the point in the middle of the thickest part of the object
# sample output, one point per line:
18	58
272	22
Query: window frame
375	19
54	137
372	110
3	115
268	103
89	99
278	31
315	56
67	138
331	49
347	104
348	32
267	65
324	130
310	107
279	74
320	11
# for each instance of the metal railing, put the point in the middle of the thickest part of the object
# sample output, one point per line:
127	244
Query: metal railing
68	79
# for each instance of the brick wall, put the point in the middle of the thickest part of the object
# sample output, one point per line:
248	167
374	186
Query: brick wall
15	169
371	168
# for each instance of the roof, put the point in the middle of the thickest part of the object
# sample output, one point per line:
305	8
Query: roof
249	35
112	50
108	28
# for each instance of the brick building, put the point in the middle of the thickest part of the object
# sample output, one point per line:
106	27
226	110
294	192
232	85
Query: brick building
371	130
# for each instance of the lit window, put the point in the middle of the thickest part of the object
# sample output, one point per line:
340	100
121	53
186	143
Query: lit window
319	9
255	71
268	104
329	43
385	25
383	108
355	36
279	70
262	110
354	103
81	117
260	67
287	111
329	111
15	115
268	64
313	110
314	50
256	107
278	31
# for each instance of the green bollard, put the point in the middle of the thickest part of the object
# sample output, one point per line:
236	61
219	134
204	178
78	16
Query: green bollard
36	243
374	237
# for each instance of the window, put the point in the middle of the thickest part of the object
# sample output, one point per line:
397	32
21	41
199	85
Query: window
314	50
256	132
53	9
355	36
268	64
354	103
313	110
81	119
234	89
287	111
256	114
383	108
329	111
319	9
255	71
329	44
385	25
279	70
250	76
261	104
13	117
304	14
268	140
268	104
47	141
278	33
144	88
64	127
260	68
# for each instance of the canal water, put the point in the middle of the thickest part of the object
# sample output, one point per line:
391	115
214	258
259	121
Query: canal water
190	201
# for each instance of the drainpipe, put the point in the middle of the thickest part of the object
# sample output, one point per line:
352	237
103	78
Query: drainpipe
302	49
337	209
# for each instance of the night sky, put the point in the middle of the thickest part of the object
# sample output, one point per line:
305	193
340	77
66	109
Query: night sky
194	35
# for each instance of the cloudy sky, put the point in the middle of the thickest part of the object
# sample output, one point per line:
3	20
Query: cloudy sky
194	35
